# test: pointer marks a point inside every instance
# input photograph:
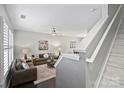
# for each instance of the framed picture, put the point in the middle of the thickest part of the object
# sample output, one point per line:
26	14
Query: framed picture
72	44
43	45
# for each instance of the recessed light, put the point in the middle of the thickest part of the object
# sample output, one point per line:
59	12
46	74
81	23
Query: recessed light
22	16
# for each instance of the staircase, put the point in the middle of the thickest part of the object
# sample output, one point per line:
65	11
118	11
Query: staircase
113	76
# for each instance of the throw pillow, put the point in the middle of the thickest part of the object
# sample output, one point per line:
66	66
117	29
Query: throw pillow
19	65
46	55
25	65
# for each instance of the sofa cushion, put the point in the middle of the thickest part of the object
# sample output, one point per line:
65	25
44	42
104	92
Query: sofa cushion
40	59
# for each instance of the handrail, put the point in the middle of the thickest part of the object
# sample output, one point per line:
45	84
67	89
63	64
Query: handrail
92	58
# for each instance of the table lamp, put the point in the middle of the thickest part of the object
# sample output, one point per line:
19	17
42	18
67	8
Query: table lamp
25	51
58	51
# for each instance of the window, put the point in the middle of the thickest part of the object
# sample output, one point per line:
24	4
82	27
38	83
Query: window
72	44
7	47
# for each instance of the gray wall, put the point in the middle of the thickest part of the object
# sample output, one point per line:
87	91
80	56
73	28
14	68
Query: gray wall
122	13
112	9
93	69
31	39
71	73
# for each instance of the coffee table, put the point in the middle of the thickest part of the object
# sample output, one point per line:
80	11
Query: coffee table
50	63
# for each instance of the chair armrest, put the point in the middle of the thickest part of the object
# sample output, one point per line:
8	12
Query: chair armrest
24	76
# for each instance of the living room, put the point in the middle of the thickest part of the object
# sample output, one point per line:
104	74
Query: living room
55	46
36	37
34	45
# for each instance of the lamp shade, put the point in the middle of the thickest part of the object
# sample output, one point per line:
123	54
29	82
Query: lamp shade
25	50
60	49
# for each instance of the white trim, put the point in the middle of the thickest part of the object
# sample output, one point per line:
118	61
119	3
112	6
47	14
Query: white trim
92	58
96	85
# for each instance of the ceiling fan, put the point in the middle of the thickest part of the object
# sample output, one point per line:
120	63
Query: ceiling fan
54	33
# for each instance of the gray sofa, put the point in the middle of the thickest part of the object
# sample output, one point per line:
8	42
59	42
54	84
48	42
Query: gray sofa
23	78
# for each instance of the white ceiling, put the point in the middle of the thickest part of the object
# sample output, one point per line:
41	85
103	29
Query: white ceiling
68	19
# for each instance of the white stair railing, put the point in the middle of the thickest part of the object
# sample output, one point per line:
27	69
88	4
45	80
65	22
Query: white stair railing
93	56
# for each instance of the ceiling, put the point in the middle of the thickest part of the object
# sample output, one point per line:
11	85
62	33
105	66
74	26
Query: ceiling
68	19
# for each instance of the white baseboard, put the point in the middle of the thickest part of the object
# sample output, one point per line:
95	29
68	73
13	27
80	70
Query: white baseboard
104	65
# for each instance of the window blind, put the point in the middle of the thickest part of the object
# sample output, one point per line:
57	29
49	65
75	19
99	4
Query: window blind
7	48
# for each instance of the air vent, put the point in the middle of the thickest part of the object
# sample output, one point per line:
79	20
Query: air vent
22	16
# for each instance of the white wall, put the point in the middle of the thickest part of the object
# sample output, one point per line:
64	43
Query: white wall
3	13
30	40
